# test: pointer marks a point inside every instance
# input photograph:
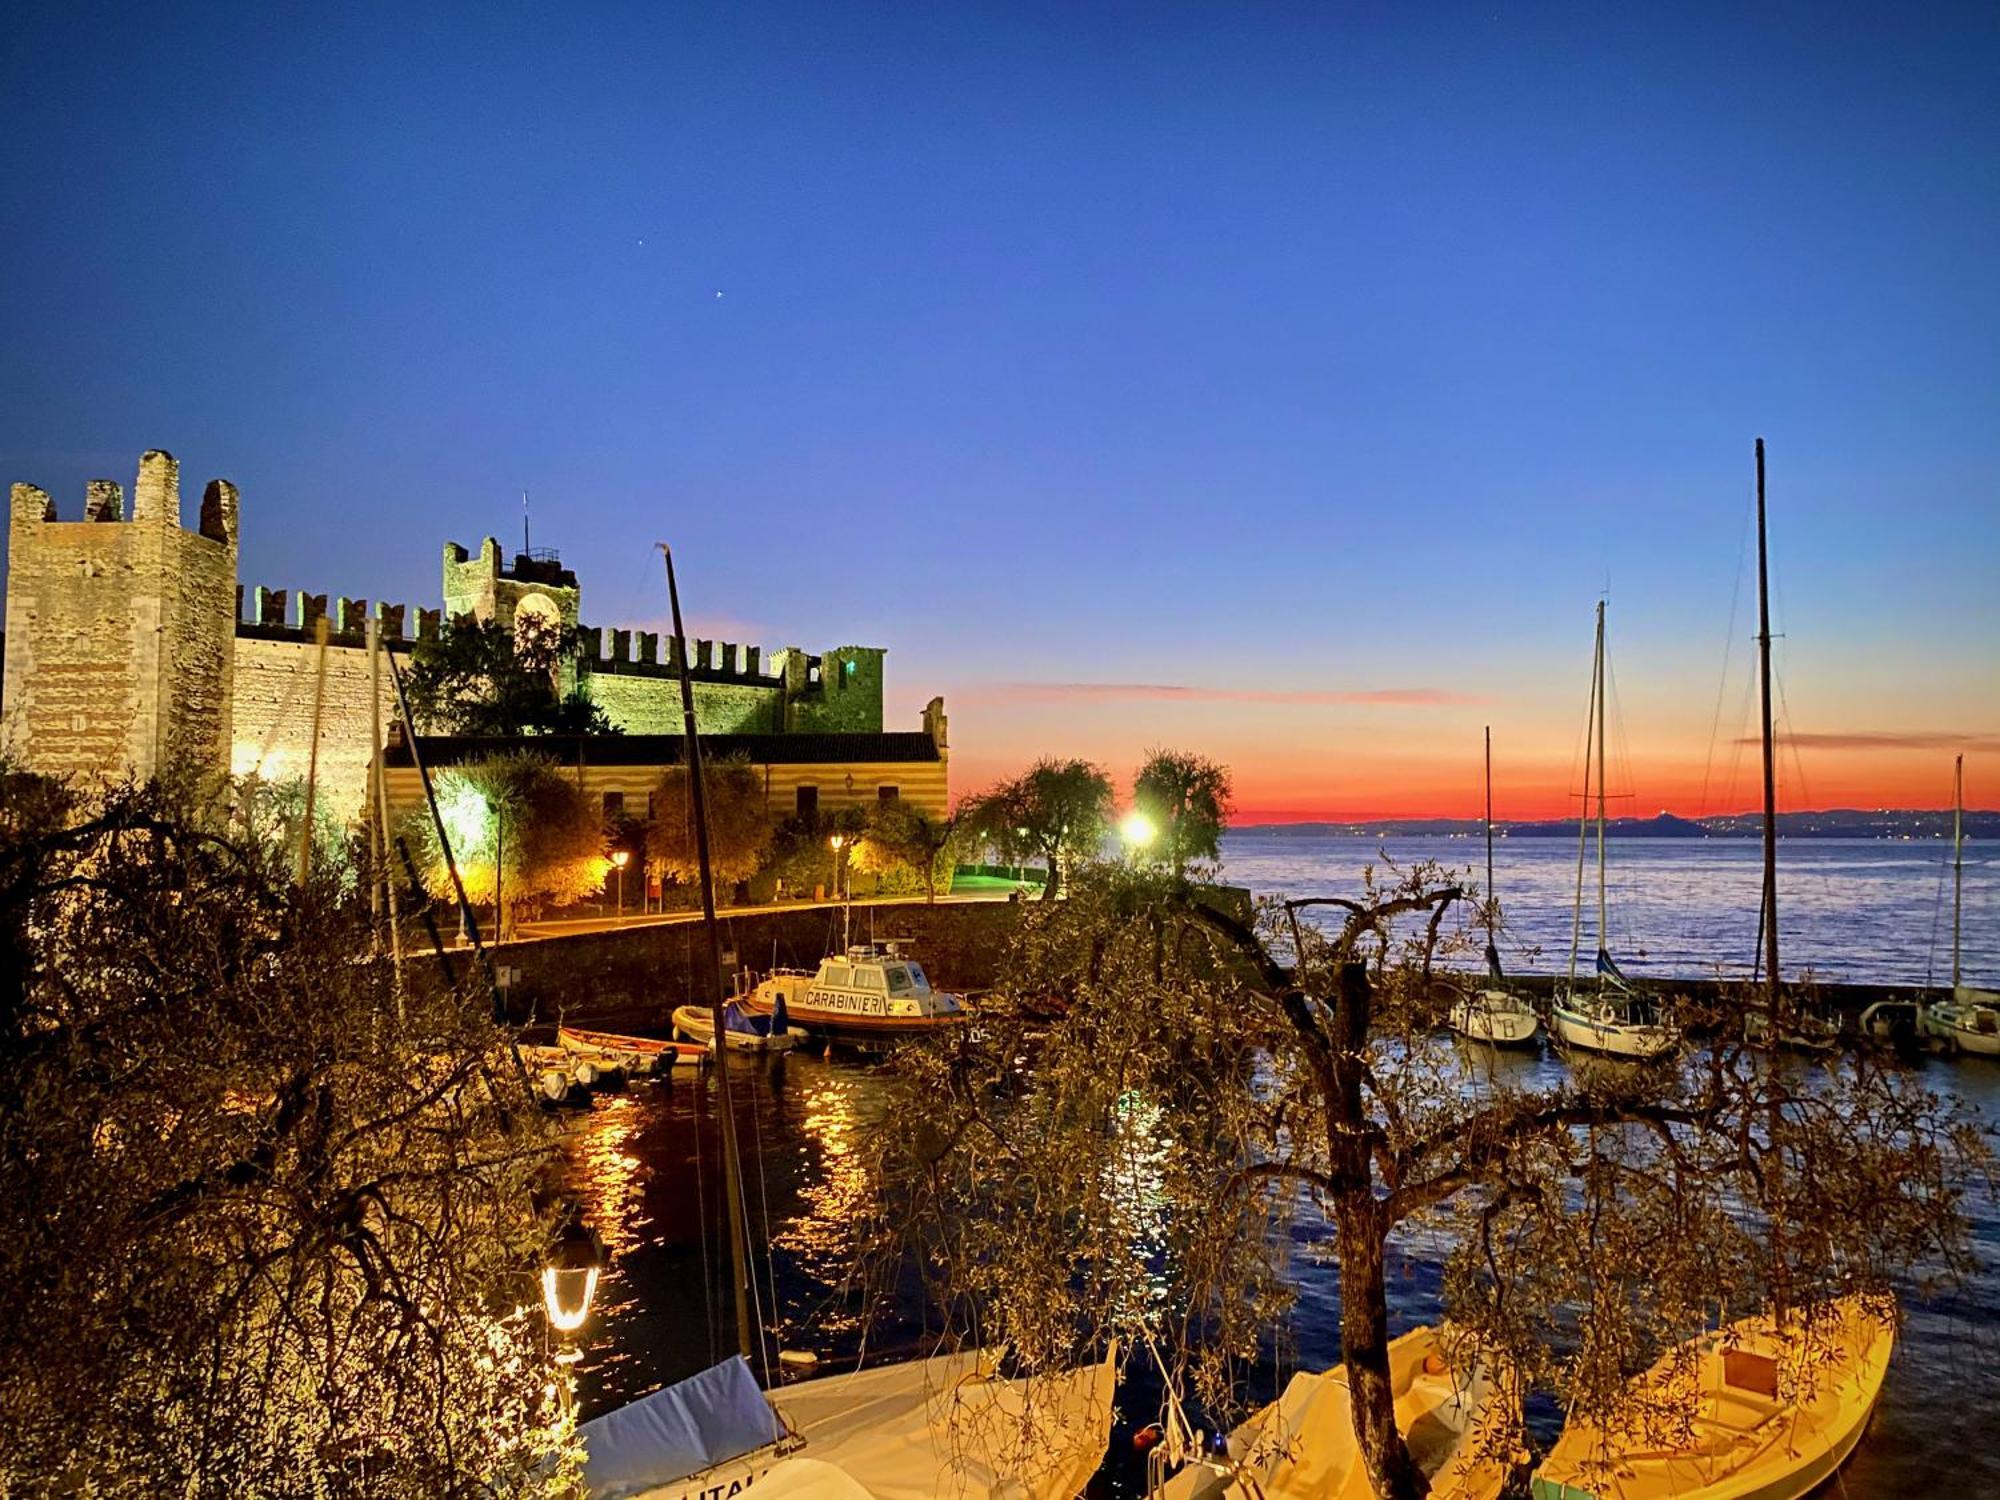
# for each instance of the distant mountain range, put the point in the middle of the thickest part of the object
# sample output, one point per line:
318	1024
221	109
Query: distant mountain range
1837	823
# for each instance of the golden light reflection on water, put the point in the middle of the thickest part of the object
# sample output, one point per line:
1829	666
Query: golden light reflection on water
834	1196
609	1180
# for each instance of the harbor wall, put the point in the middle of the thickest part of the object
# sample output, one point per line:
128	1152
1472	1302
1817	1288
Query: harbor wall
633	978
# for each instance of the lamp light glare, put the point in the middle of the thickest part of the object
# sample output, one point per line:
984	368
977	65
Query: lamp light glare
1138	830
566	1295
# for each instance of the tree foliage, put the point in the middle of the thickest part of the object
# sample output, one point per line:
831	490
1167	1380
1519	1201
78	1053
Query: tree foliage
1057	810
273	1229
901	837
739	825
1160	1099
1187	798
516	822
476	677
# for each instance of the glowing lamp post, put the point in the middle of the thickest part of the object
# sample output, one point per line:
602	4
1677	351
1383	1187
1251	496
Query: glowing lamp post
569	1277
620	858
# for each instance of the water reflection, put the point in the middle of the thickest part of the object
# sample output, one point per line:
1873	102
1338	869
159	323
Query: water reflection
645	1165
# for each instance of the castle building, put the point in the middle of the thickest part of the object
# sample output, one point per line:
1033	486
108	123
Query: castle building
131	646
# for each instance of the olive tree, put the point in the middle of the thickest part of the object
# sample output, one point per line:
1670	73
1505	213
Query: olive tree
1159	1093
900	837
1186	797
274	1229
739	824
1059	810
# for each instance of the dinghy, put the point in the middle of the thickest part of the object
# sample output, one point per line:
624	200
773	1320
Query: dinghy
1774	1413
948	1425
1302	1446
742	1030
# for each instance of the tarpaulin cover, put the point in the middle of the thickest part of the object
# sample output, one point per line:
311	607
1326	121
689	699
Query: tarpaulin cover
694	1425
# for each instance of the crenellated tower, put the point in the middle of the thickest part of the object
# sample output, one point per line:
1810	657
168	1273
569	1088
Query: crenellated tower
120	633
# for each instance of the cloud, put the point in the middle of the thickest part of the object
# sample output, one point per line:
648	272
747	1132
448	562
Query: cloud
1887	739
1165	692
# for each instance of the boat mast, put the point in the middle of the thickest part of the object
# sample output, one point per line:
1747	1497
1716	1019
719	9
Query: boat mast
1603	942
1583	815
732	1170
1957	857
1770	756
1492	949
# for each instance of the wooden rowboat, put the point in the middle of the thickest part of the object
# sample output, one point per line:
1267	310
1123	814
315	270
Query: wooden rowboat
1749	1412
636	1054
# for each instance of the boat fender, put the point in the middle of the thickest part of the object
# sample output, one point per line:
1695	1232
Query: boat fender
586	1074
804	1358
1147	1437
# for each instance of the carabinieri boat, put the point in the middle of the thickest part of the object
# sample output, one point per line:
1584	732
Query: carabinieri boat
871	997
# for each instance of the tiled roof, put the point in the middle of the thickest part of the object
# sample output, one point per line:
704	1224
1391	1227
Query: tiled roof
665	749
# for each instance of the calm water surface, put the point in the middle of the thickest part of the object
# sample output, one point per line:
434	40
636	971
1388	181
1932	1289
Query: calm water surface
646	1163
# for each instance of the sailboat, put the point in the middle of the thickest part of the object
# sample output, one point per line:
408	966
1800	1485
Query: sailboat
951	1424
1612	1017
1493	1013
1794	1027
1970	1020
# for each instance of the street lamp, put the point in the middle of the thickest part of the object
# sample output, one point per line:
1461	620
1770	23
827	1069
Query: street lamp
1138	831
569	1276
620	857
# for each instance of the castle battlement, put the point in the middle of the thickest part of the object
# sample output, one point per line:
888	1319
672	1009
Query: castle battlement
284	615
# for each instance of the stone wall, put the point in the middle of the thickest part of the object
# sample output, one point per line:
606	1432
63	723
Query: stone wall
118	632
846	698
635	977
652	705
274	711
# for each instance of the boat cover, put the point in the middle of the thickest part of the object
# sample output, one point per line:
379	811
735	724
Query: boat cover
948	1426
736	1018
696	1424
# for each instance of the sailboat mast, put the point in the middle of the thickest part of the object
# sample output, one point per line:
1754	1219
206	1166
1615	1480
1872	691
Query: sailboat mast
1957	857
1770	753
732	1170
1583	813
1603	943
1489	841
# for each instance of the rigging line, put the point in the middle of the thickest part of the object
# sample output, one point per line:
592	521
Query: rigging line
708	1304
1728	645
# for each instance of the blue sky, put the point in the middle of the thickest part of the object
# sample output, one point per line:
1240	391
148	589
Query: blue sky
1289	352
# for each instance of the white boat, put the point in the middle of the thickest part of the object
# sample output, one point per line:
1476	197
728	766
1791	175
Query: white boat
1970	1020
872	996
1302	1446
1605	1013
742	1029
1758	1413
1494	1014
948	1425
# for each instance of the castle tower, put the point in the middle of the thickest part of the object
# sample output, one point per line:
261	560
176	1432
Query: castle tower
120	633
482	588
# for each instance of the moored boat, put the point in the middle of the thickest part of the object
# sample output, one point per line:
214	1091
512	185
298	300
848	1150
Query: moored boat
1761	1412
871	997
1495	1014
1970	1020
742	1029
635	1054
1303	1445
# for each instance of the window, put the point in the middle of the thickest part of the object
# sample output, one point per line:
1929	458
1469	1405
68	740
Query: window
837	976
917	976
614	802
649	807
888	796
899	981
808	805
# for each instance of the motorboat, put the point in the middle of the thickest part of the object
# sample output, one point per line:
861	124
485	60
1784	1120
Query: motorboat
1457	1422
872	996
1755	1409
743	1030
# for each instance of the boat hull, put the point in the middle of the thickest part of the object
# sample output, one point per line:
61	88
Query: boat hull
1494	1017
697	1024
1640	1042
635	1054
867	1033
1752	1446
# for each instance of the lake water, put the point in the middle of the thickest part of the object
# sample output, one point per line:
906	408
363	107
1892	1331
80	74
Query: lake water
645	1164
